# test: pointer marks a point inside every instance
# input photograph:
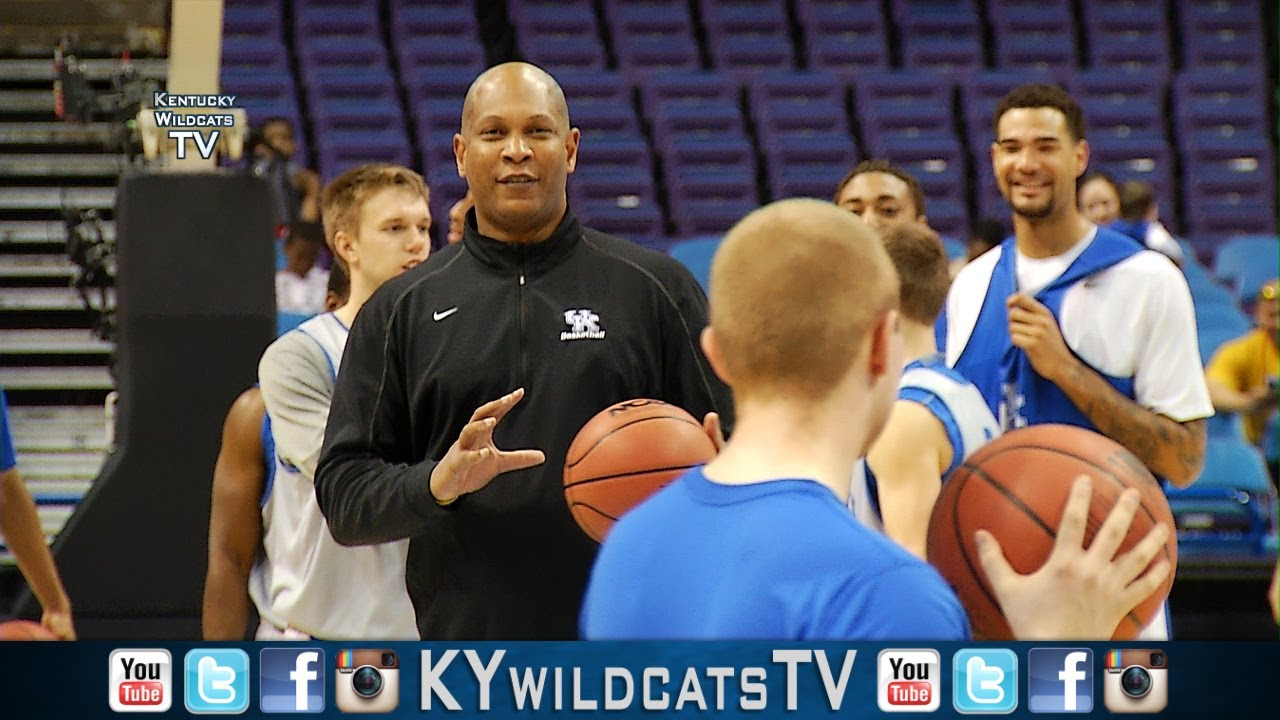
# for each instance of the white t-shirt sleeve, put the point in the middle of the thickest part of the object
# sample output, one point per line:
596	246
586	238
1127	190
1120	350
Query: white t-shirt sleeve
1169	374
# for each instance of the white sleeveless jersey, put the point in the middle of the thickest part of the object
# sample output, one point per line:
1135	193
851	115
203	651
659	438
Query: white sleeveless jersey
306	581
958	406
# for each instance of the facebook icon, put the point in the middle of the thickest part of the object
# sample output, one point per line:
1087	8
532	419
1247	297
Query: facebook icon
1060	680
292	681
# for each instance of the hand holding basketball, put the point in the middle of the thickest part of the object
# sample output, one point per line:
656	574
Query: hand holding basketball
1079	593
474	461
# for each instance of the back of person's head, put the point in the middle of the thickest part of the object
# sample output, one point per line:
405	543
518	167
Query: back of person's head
344	197
879	165
796	289
923	271
1136	200
338	291
1035	95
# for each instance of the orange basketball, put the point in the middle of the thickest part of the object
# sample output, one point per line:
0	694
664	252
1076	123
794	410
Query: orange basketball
626	453
24	630
1016	487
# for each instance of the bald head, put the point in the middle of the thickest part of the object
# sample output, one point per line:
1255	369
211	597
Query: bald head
796	289
501	81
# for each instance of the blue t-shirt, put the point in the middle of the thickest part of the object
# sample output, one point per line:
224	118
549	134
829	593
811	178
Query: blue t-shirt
782	559
8	458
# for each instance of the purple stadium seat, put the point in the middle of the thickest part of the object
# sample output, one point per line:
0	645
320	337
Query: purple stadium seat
559	36
438	82
644	55
342	149
1232	168
1221	218
267	56
641	221
1036	50
743	17
411	20
800	87
356	115
588	86
811	153
852	18
925	157
919	86
259	22
782	118
744	56
939	35
1052	20
804	183
701	88
1226	48
1124	118
601	117
1119	87
611	183
335	17
1131	52
436	51
845	57
697	120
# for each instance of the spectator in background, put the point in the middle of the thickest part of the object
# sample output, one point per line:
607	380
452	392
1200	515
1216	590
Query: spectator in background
1243	373
1099	198
986	234
458	218
301	286
1140	220
20	527
297	189
882	194
338	290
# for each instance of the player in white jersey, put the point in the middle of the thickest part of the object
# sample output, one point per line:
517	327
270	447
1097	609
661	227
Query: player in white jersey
939	418
376	221
1067	322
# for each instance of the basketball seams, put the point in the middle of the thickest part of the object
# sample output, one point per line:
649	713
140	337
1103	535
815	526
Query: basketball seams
974	572
629	423
1110	475
1030	514
633	473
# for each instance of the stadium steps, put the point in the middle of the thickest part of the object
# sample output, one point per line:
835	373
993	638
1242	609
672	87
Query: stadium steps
54	369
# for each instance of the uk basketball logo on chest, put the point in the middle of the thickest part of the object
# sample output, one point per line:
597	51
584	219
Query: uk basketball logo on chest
583	325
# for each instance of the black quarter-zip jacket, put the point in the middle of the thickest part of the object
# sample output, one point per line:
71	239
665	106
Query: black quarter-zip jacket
581	321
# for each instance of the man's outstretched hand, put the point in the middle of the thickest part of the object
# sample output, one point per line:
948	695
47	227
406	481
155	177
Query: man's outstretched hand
473	461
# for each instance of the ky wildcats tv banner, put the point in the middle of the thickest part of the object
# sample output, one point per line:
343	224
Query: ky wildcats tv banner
95	679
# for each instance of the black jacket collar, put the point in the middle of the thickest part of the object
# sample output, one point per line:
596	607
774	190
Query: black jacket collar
531	258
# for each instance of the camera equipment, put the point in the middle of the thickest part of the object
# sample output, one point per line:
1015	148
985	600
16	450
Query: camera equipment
95	257
77	100
367	681
1135	681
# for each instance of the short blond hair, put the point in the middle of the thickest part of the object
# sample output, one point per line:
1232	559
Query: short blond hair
924	271
796	287
344	197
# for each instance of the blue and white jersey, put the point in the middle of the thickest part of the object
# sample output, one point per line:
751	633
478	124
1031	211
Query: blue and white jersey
958	406
306	581
1124	311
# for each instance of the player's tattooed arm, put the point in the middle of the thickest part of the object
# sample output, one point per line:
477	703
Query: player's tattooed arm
1171	449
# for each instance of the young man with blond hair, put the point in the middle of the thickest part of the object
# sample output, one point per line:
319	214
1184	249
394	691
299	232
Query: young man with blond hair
758	543
376	220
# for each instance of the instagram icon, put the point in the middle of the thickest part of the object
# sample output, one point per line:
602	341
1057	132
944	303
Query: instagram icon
1136	681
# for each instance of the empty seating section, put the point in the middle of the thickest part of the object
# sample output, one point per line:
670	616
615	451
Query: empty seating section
695	111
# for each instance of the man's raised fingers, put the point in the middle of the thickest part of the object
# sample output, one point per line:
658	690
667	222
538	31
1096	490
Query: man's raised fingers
1116	526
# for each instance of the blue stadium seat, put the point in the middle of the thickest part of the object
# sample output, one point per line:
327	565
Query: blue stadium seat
1230	509
696	254
1237	257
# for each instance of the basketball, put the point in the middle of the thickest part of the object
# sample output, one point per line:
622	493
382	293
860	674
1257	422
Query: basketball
1016	487
24	630
626	453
